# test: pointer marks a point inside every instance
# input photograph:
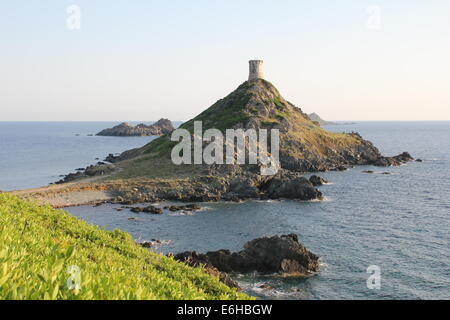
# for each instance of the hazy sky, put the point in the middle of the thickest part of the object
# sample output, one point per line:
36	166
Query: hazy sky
143	60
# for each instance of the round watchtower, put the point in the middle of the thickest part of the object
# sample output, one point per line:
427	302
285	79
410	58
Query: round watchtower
256	70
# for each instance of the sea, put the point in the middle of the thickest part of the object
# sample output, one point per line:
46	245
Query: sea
379	236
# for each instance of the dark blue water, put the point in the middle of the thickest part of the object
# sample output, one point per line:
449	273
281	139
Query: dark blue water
34	154
399	222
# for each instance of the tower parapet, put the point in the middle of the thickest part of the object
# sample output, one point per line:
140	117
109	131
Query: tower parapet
256	71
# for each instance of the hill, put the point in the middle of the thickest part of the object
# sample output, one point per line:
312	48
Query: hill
148	173
304	146
40	243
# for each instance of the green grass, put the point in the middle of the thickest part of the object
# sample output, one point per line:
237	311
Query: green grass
38	244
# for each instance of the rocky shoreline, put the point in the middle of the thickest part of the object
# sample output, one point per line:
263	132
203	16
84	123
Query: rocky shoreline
221	183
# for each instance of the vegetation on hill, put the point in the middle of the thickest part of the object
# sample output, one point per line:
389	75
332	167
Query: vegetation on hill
39	245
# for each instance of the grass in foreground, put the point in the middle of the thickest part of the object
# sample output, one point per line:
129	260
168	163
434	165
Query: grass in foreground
39	245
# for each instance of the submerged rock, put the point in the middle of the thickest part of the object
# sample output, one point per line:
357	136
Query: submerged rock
189	208
268	255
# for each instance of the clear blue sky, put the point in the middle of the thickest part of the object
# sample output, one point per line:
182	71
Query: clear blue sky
142	60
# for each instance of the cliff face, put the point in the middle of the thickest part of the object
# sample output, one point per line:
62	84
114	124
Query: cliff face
159	128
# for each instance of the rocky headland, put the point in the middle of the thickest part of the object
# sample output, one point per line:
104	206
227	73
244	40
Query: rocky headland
317	119
147	174
159	128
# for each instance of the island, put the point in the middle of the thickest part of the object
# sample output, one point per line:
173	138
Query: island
148	174
316	118
159	128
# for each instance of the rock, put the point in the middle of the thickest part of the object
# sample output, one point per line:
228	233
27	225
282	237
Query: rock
284	187
149	209
161	127
153	210
404	157
279	254
244	187
91	171
386	173
111	158
419	160
265	286
99	170
189	207
393	161
146	244
154	243
317	181
368	171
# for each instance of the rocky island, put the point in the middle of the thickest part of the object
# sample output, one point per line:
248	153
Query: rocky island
316	118
147	174
159	128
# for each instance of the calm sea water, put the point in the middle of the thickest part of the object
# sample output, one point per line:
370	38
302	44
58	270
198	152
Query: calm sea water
399	222
34	154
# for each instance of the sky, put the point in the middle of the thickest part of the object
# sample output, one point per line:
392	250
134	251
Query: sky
142	60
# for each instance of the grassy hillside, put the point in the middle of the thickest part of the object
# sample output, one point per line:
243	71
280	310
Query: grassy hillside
38	244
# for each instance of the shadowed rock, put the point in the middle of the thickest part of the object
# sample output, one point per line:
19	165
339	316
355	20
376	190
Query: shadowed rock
317	181
268	255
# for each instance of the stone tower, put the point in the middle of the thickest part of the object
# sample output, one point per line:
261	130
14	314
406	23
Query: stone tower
256	70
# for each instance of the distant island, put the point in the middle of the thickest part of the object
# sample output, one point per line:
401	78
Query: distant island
159	128
316	118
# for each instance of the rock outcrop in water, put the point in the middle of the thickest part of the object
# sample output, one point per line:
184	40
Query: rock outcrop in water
159	128
282	255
